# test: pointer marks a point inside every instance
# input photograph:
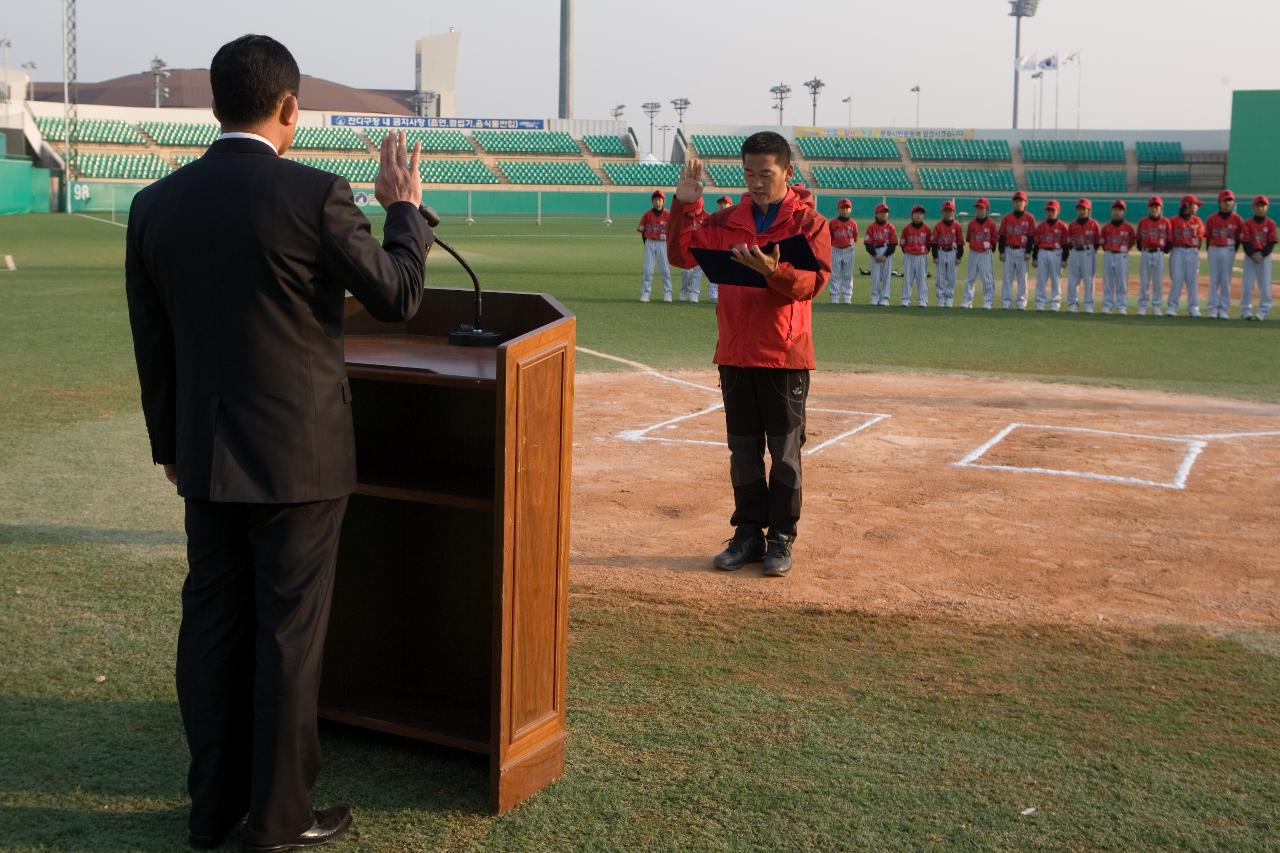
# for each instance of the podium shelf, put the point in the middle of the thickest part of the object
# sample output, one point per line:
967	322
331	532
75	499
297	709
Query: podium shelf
420	358
397	493
458	732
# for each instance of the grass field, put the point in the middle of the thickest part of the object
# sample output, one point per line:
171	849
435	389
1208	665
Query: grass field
733	729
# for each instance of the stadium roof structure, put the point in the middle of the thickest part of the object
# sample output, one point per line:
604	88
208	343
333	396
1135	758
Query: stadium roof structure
189	87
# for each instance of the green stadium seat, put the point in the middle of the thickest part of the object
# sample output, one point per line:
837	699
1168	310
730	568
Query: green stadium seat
456	172
103	131
179	134
643	174
433	141
1072	151
849	177
356	170
730	175
848	148
1163	176
979	180
1077	180
717	145
138	167
1159	152
571	172
611	146
959	149
310	137
526	142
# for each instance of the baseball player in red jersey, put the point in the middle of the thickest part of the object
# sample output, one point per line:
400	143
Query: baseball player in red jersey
1049	253
914	240
1258	237
1184	257
982	234
881	241
1017	233
653	232
1155	239
844	236
1222	232
1083	236
946	243
1118	237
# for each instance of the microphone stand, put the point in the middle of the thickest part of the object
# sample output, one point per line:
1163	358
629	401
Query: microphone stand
474	335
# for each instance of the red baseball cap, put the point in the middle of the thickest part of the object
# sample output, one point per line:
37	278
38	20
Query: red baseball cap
1120	204
982	202
1226	195
844	202
948	205
723	199
1085	203
1190	199
882	208
1052	204
658	194
1155	199
1019	196
919	208
1261	199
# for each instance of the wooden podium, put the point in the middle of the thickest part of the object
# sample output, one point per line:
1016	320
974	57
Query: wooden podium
450	605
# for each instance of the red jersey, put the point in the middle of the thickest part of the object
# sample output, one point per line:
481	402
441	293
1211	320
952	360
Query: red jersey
1255	236
915	238
881	234
982	234
1118	236
654	225
946	235
1016	230
1051	235
1188	232
1223	230
1084	236
1154	234
844	232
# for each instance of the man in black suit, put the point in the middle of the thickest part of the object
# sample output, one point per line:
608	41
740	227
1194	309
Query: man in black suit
236	267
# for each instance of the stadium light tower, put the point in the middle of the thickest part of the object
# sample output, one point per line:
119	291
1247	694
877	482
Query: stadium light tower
618	111
159	72
566	58
814	86
665	151
70	98
651	109
680	104
1019	9
780	94
849	101
31	80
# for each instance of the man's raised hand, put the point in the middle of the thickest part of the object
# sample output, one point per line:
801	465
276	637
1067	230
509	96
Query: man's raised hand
398	178
689	188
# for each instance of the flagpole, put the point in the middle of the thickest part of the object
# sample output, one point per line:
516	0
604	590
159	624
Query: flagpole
1057	90
1079	72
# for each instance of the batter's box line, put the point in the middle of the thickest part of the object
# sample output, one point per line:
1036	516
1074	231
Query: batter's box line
871	419
1194	447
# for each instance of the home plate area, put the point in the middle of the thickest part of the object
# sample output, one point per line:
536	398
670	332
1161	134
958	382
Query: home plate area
986	498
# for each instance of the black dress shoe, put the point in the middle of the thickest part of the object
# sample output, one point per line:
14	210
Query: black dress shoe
330	824
777	555
746	546
201	841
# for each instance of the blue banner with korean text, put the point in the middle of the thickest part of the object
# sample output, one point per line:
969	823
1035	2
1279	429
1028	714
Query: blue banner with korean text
438	122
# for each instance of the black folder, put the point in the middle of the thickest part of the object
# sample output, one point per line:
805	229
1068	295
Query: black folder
721	268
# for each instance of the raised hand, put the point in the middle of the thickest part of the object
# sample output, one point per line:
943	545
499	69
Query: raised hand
398	178
689	188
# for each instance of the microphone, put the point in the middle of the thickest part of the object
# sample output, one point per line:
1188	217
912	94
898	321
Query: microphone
474	335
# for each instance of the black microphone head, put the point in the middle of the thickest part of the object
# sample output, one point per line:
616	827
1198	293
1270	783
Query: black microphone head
433	219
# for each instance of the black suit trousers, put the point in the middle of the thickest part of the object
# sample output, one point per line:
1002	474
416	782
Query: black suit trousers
255	611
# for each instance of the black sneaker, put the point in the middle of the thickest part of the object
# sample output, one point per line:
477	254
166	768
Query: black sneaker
746	546
777	555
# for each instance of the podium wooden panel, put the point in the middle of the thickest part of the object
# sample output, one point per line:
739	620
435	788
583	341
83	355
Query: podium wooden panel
450	606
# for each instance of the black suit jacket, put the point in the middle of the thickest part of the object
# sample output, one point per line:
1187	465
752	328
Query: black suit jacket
235	271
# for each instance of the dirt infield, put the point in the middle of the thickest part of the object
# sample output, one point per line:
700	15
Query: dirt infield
991	500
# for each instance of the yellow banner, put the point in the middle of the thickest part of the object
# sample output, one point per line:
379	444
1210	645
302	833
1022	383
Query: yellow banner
886	132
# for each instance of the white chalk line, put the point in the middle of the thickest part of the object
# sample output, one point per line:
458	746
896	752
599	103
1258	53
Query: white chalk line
644	368
1227	436
100	219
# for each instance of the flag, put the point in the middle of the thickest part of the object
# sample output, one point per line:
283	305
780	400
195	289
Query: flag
915	88
1029	62
1049	63
1071	58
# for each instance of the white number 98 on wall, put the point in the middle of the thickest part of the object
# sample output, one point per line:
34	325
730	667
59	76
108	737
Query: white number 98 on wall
80	192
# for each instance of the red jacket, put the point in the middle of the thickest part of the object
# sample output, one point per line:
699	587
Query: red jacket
1050	235
1188	232
946	236
844	232
759	326
982	235
1154	234
915	238
1017	230
1084	236
1223	230
654	225
1118	236
1258	236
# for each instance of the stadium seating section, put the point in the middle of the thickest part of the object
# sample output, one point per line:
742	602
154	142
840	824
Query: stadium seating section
434	141
612	146
526	142
848	177
363	169
730	175
138	167
980	180
643	174
181	133
1163	177
104	131
456	172
327	139
1159	152
833	148
1072	151
1076	180
959	149
717	145
568	172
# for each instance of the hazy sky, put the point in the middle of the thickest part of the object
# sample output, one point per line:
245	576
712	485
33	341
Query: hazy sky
724	56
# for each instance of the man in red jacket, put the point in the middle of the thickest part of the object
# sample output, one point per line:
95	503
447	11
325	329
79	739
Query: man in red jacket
765	345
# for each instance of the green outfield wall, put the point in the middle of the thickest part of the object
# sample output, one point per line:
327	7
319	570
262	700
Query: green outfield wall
1253	162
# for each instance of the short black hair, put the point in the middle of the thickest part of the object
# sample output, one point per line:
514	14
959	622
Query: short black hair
249	76
768	142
